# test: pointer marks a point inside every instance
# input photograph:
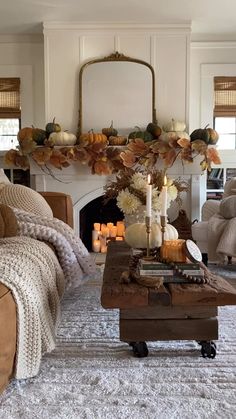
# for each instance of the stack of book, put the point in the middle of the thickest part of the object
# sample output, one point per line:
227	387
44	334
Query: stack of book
178	272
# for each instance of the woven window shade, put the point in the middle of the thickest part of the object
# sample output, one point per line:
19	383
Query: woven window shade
225	96
10	98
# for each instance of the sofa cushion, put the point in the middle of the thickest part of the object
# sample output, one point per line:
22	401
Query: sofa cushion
22	197
228	207
230	187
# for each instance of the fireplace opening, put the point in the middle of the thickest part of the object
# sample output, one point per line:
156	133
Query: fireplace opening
97	212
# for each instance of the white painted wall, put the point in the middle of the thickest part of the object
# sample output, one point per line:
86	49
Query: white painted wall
209	59
23	57
67	47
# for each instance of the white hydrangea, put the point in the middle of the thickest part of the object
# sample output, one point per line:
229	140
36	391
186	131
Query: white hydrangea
127	202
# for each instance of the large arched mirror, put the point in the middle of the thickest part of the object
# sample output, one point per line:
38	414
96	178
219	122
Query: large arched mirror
116	88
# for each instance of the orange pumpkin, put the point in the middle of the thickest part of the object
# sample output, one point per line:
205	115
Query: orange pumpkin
93	137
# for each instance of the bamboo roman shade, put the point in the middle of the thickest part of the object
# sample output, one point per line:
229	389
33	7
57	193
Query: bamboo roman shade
10	97
225	96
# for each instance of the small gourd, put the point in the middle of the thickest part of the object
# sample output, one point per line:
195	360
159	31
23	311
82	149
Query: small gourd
62	138
208	135
154	129
136	235
39	135
93	137
145	135
52	127
117	140
173	135
174	125
110	131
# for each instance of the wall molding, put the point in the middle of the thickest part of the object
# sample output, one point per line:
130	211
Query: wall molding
104	26
212	44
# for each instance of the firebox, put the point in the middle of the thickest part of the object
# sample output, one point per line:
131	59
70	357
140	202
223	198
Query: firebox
97	212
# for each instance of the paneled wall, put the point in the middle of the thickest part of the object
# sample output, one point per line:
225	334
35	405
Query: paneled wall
67	47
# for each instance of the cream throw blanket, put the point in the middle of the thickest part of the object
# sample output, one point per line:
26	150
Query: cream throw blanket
30	269
37	278
221	237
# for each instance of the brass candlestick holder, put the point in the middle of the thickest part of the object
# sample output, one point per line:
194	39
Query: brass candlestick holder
163	227
148	230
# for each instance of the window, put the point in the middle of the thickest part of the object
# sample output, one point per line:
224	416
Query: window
10	112
225	111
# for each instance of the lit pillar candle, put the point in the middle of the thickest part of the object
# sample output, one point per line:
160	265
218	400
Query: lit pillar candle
95	234
96	245
120	228
97	226
149	198
164	198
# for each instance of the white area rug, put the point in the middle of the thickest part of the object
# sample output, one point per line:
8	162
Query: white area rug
92	375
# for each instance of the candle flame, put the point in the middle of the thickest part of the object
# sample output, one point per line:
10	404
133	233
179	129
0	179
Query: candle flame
165	181
149	179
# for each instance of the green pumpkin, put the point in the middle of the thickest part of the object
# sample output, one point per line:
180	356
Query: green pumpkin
52	127
154	129
208	135
145	135
39	135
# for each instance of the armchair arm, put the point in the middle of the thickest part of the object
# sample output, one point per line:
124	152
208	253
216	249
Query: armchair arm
61	205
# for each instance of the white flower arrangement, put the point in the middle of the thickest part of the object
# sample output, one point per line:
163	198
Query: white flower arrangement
129	200
129	191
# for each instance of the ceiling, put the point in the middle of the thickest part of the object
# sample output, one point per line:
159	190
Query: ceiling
216	17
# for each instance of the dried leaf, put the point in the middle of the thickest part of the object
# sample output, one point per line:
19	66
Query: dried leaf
27	146
170	157
22	161
213	155
184	143
160	146
102	167
138	147
58	160
128	158
186	155
10	157
42	155
199	146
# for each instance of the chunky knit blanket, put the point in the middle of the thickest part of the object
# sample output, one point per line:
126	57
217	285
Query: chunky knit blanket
73	256
30	269
37	275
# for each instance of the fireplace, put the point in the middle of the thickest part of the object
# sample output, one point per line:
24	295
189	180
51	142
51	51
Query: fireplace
97	212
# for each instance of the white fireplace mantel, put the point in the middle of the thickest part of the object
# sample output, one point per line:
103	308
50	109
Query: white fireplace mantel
83	187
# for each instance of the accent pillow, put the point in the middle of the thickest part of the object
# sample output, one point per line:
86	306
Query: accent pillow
228	207
22	197
230	187
8	222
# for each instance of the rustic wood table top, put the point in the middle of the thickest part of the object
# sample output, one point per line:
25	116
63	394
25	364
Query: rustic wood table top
115	294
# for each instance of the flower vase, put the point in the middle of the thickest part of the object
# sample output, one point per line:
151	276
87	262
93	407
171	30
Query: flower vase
140	215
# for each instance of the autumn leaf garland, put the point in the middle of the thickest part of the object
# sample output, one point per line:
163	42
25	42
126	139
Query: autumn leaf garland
105	160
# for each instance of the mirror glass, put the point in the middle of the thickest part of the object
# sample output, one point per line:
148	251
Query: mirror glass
119	89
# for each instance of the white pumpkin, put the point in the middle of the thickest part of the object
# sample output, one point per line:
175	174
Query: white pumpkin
62	138
174	126
173	135
136	235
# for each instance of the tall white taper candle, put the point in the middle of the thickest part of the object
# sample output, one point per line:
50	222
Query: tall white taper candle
149	198
164	198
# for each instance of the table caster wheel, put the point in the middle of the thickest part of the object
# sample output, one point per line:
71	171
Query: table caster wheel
208	349
140	349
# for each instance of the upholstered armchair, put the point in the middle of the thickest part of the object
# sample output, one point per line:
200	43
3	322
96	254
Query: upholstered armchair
216	209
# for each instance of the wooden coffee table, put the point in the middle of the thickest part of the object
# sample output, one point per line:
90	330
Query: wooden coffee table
171	312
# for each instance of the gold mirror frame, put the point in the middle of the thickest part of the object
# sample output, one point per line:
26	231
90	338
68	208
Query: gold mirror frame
119	58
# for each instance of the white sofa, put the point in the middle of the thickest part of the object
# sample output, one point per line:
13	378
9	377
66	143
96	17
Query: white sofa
210	207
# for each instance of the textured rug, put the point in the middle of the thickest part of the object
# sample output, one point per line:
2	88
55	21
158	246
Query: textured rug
92	375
